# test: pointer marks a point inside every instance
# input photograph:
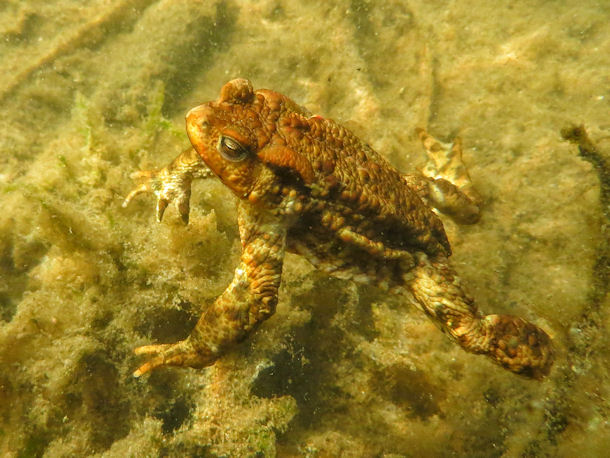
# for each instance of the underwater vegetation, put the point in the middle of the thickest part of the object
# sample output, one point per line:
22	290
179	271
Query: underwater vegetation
93	92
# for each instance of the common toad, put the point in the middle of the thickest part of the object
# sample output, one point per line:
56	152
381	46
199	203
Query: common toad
307	185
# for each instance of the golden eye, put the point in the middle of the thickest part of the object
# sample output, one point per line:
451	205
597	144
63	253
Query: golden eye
231	149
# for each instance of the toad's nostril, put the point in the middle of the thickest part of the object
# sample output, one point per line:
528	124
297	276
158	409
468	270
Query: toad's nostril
193	113
198	115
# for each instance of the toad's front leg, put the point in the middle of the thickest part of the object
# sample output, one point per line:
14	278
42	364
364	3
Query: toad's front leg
248	300
171	183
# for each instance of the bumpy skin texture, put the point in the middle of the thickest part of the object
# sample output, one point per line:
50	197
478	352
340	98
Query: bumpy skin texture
308	185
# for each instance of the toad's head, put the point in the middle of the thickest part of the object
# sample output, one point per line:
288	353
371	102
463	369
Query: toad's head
242	137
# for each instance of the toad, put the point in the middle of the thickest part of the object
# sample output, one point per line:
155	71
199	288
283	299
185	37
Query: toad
307	185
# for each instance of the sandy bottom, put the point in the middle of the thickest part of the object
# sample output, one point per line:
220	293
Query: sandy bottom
92	93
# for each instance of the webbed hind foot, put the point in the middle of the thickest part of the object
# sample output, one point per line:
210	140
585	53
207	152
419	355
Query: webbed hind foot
182	353
449	188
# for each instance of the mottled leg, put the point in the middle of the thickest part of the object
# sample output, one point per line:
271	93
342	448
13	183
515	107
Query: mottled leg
248	300
445	183
509	341
172	182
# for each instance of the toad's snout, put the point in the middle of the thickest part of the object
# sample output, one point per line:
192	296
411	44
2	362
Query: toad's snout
197	125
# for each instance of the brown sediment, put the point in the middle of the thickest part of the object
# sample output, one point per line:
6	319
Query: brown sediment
587	330
88	34
339	369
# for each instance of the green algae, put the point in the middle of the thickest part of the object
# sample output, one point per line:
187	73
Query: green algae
99	91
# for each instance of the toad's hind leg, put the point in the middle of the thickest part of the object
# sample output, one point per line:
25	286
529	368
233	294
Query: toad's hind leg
445	183
248	300
509	341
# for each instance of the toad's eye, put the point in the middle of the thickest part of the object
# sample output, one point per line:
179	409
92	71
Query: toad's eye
231	149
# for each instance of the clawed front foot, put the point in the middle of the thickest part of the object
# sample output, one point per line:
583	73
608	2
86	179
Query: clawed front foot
166	188
171	183
179	354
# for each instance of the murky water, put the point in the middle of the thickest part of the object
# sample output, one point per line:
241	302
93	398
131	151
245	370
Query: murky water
94	91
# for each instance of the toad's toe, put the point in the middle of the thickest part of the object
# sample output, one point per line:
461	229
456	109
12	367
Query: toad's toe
179	354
